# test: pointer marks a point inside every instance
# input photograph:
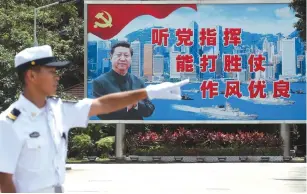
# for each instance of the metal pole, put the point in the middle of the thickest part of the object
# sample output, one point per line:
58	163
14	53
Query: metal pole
119	140
42	7
35	38
49	5
285	135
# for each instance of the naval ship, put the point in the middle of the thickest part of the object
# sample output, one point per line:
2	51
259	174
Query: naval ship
194	90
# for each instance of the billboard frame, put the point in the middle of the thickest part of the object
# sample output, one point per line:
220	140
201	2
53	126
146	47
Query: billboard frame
88	2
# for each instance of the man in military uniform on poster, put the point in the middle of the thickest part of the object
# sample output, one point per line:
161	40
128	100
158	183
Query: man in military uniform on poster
34	129
119	79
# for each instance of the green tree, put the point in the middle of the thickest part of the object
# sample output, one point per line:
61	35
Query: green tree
95	131
60	26
299	6
81	145
106	146
8	85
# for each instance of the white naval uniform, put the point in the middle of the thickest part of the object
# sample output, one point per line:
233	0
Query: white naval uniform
34	146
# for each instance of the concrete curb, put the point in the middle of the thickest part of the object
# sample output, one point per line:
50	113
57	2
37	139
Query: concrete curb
207	159
195	159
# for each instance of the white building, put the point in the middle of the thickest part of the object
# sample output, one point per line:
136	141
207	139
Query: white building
269	73
288	57
103	54
272	54
158	65
276	59
189	75
219	41
136	58
259	75
242	76
268	47
173	66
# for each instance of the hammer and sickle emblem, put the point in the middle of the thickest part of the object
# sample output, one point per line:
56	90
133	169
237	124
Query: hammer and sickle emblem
107	20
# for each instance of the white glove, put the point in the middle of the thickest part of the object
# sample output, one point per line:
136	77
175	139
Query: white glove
166	90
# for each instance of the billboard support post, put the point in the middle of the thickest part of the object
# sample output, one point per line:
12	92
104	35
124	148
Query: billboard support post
285	135
119	141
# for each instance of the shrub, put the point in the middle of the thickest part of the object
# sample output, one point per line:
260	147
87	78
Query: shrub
105	146
202	142
81	145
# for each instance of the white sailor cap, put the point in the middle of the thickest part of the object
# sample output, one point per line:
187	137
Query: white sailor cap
39	55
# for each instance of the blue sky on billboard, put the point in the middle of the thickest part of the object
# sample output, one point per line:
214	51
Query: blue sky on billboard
255	18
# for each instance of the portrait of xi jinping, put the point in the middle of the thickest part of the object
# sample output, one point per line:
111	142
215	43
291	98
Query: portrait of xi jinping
118	79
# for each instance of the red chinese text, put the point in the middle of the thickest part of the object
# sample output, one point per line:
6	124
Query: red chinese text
232	63
255	63
207	36
281	88
204	62
211	87
184	63
256	89
233	89
232	36
184	37
159	36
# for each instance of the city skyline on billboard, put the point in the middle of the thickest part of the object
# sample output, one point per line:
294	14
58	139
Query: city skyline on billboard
243	65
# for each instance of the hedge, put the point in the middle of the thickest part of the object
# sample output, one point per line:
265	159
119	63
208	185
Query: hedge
202	142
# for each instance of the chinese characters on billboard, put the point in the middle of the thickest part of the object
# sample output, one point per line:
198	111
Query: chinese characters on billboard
243	64
232	62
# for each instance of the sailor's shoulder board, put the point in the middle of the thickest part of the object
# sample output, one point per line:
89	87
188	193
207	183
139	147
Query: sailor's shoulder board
13	114
69	101
55	97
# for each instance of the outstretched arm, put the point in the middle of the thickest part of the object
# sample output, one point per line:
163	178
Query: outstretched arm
116	101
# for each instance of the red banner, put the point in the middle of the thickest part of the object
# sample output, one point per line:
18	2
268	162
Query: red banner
106	21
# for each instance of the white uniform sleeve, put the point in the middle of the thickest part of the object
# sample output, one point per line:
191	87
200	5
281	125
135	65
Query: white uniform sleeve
76	114
10	148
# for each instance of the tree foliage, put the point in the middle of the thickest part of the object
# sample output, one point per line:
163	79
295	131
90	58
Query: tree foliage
106	146
60	26
8	85
81	145
299	6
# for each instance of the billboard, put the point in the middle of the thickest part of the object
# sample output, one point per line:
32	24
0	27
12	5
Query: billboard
245	62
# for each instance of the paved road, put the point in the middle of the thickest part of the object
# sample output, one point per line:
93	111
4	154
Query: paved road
187	178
